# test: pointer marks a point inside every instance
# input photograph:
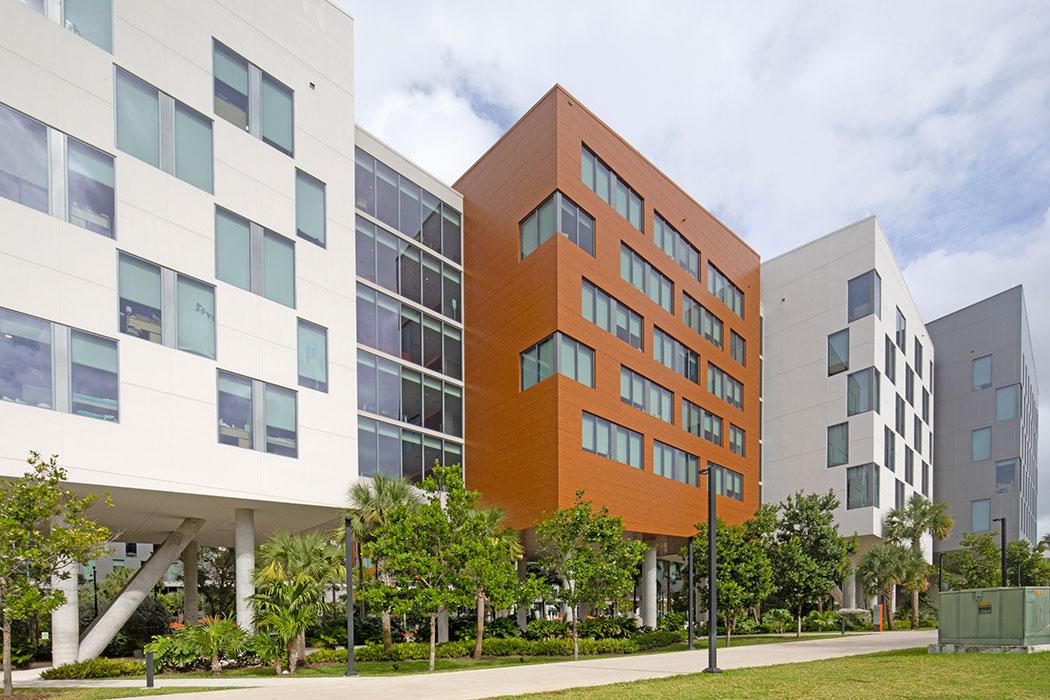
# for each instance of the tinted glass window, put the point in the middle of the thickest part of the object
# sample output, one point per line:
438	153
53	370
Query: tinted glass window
313	356
196	316
138	118
235	410
233	250
1006	402
279	269
93	376
309	208
276	114
981	371
91	19
838	444
231	86
838	352
193	148
140	298
89	179
23	160
25	360
281	434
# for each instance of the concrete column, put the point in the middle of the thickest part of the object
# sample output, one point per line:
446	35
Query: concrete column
65	620
649	569
893	601
522	610
244	546
190	607
849	591
442	626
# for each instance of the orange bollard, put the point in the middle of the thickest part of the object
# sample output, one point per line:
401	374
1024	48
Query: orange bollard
880	617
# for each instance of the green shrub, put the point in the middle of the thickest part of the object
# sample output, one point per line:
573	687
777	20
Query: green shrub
546	629
746	625
503	628
857	619
608	628
672	621
821	621
329	656
777	620
94	668
177	651
657	639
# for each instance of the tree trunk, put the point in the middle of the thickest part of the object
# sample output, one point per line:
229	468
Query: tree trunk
915	608
888	596
480	629
575	636
388	640
798	621
9	688
293	655
729	631
433	639
300	646
216	665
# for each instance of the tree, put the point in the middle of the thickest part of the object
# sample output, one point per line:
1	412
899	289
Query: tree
589	555
490	567
809	556
884	566
918	517
215	636
1034	567
915	578
217	575
976	564
370	503
745	574
424	550
34	552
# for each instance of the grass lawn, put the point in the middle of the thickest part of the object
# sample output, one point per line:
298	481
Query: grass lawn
893	674
392	668
101	693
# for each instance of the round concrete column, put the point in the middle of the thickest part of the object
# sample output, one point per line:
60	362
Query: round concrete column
65	619
649	587
190	606
244	546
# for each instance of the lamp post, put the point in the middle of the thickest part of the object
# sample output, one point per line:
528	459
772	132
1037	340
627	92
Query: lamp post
1002	540
940	572
712	574
691	595
349	556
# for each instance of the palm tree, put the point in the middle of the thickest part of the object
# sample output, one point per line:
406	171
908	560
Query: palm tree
1044	544
286	608
498	543
216	635
370	504
917	518
881	568
915	579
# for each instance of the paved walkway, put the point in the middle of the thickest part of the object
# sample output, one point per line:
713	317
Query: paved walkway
532	678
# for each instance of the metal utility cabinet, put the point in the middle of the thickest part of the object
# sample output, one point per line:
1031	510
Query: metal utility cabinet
1001	617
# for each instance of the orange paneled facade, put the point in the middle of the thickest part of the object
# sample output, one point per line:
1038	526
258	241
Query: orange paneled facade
525	447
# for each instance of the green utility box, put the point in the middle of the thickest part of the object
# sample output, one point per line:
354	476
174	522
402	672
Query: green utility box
995	616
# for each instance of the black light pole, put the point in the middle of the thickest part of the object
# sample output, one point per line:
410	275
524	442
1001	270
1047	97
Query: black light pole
94	584
712	576
1002	540
940	572
350	671
691	595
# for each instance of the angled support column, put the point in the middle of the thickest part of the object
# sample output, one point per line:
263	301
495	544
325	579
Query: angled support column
190	606
106	626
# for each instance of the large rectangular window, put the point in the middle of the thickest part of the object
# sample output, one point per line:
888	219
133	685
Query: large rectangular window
254	258
313	355
981	515
889	448
158	129
139	286
603	181
673	463
91	19
862	391
890	363
1007	402
391	390
675	245
256	415
399	330
309	208
557	214
674	355
981	444
612	315
865	296
838	352
727	292
981	372
909	385
862	486
925	479
252	99
917	426
646	395
402	453
724	386
926	406
902	331
898	501
900	417
728	483
701	422
26	375
737	347
706	324
646	278
560	354
1005	475
838	444
94	385
23	160
918	358
612	440
736	440
909	465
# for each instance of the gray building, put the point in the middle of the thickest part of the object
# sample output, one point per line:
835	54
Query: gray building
986	418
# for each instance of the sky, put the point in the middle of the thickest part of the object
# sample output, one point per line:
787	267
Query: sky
787	120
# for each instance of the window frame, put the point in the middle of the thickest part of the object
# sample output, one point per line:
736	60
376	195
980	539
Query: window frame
256	257
308	382
257	435
256	78
309	179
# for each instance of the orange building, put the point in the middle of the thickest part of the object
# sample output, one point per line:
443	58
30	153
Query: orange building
620	357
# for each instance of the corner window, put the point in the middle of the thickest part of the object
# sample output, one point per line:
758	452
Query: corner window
266	111
865	296
255	415
254	258
838	444
736	440
611	440
981	515
862	486
981	372
557	354
676	246
313	356
838	352
603	181
309	208
558	214
862	391
1007	402
727	292
981	444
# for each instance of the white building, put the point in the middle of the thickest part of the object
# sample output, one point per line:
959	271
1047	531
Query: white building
178	314
847	381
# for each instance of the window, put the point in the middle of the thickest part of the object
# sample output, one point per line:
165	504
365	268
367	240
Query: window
918	358
28	149
899	415
673	355
265	112
697	317
93	376
724	386
736	440
981	444
862	391
728	483
143	287
891	361
889	448
401	453
701	422
406	207
90	19
727	292
557	353
926	406
26	360
1005	475
612	315
158	129
558	214
646	395
271	274
646	278
1007	402
862	486
981	515
909	465
918	434
309	208
737	348
909	385
608	439
981	372
838	352
838	444
607	184
313	356
391	390
272	429
674	463
675	245
865	296
898	501
925	479
902	330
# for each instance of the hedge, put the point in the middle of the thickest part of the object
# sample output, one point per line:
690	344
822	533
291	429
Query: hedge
95	668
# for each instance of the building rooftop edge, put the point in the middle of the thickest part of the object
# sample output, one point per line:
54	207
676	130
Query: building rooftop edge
980	301
413	163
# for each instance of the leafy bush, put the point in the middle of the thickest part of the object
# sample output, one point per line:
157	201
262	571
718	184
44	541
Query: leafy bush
777	620
503	628
547	629
192	647
608	628
327	656
746	625
857	619
821	621
657	639
94	668
672	621
177	651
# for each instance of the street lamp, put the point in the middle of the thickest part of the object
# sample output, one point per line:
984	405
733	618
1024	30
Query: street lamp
712	574
348	523
940	572
691	595
1002	540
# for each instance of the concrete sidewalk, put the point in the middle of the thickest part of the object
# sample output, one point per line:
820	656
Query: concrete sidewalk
514	680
